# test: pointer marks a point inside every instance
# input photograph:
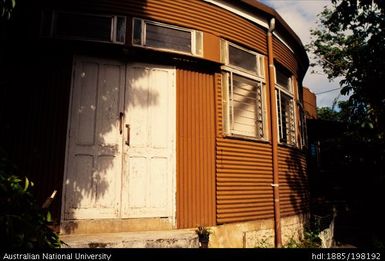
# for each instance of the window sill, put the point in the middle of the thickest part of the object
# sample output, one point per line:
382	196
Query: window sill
245	138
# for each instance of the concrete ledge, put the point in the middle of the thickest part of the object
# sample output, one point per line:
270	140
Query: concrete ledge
148	239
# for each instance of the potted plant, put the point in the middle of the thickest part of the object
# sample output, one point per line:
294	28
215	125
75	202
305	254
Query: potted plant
203	236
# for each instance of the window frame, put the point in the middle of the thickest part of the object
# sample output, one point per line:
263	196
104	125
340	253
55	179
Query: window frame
225	58
303	126
259	77
48	26
196	37
289	92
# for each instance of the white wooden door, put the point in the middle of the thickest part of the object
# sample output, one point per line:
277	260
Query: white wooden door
92	182
120	158
149	142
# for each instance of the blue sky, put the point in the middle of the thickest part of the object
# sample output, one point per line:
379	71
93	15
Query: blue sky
301	15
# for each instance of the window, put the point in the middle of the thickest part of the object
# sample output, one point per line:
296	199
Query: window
243	93
167	37
242	59
303	127
89	27
285	107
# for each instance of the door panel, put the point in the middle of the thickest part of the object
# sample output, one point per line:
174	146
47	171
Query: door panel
150	114
93	177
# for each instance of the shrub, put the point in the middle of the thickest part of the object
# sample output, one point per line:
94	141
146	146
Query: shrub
23	221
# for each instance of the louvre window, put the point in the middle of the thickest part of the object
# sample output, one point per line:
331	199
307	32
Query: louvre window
243	93
285	107
166	37
88	27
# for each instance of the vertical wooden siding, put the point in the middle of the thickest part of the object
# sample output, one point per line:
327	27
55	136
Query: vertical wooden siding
244	175
293	180
195	149
284	56
195	14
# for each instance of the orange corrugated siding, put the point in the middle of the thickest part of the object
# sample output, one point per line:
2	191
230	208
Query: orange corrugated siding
244	175
195	149
219	180
195	14
284	56
294	187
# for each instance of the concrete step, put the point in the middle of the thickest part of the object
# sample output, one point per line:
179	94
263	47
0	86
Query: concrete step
183	238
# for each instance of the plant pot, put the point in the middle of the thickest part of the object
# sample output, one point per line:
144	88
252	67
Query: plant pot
204	243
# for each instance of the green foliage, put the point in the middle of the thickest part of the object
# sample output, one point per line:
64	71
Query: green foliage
6	8
326	113
359	127
264	243
23	221
292	243
311	240
349	42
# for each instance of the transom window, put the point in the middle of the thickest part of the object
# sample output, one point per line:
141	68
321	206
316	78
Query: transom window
162	36
285	106
87	27
243	92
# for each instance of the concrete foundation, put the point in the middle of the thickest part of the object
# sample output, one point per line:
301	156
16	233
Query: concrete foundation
256	234
160	234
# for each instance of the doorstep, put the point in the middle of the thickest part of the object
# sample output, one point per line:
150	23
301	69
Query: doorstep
182	238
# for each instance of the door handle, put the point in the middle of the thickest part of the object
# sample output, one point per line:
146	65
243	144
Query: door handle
121	116
128	134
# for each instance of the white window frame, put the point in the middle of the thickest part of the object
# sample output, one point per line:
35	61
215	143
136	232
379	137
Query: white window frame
291	132
51	16
196	37
228	71
303	127
226	59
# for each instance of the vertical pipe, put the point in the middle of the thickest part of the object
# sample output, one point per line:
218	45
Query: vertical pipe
274	136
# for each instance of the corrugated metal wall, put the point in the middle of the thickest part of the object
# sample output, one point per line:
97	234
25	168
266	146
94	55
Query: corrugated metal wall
241	189
284	56
244	175
195	149
195	14
293	180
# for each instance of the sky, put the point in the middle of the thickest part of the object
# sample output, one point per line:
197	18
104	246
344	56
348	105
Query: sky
301	15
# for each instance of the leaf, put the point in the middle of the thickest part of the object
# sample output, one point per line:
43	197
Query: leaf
26	184
49	217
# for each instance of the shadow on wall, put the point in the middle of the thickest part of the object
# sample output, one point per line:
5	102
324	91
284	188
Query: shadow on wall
295	196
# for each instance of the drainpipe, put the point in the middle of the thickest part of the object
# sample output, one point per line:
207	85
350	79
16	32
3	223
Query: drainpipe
274	136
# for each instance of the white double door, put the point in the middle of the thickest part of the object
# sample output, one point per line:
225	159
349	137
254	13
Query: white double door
120	159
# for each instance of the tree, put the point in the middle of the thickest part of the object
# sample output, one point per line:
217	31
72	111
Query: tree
326	113
350	43
6	8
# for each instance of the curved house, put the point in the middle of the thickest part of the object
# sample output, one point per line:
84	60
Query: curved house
161	115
